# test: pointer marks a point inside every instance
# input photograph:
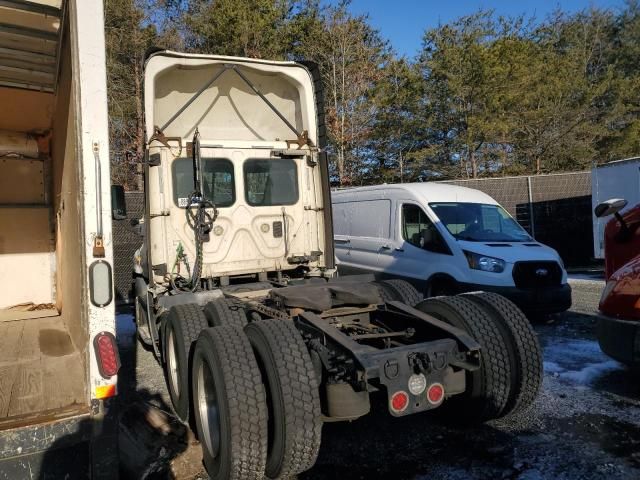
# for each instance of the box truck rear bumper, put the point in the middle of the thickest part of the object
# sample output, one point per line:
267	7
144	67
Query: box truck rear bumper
620	339
541	301
62	444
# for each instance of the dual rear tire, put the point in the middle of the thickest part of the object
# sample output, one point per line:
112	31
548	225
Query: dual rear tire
250	390
510	373
256	401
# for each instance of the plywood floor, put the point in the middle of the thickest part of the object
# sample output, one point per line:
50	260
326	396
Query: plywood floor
39	368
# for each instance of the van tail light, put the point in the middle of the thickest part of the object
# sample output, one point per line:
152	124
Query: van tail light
107	354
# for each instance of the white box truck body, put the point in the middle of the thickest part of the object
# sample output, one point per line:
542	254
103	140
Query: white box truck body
618	179
58	358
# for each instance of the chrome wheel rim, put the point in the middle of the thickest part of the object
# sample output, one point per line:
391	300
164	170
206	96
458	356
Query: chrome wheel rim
172	363
208	409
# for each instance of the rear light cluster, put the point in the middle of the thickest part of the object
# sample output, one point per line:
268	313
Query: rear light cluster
400	400
107	354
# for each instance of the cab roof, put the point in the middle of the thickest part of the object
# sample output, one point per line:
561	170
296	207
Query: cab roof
217	94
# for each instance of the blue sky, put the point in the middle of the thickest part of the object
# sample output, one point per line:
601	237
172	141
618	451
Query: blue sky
403	22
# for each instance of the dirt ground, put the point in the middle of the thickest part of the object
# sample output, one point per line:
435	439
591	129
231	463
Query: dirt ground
585	423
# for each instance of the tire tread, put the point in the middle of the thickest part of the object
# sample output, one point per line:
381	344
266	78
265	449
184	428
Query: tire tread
495	369
300	394
245	398
529	369
223	311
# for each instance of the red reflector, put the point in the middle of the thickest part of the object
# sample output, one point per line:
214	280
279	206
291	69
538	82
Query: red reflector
435	393
399	401
107	354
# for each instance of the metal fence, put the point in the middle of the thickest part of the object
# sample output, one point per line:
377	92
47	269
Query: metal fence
555	209
125	243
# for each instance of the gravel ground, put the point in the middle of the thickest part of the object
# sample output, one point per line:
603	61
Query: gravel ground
584	424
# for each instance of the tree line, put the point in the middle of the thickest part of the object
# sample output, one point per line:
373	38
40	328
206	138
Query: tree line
486	95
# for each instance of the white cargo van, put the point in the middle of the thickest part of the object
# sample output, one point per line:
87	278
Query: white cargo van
446	239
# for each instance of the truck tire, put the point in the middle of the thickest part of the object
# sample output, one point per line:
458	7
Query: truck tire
223	311
182	326
230	409
295	422
524	350
403	291
488	388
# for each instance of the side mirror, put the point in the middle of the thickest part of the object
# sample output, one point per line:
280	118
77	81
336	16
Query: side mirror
610	207
118	203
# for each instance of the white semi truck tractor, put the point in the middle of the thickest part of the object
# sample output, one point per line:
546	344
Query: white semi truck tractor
237	292
58	357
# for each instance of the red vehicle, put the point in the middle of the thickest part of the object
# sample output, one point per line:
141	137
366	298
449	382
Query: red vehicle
619	322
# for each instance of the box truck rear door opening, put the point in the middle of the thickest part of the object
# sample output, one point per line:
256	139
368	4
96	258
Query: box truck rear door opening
54	178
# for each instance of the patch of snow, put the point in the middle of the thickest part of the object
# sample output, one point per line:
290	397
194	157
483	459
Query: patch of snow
578	361
585	278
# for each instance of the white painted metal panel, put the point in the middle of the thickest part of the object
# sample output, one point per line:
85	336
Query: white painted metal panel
89	65
620	179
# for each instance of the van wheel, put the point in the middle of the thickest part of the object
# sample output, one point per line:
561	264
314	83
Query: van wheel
230	409
488	388
295	423
524	350
399	290
223	311
183	325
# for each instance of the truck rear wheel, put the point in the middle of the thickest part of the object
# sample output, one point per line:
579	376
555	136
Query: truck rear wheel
223	311
230	405
488	388
524	350
295	423
402	291
183	325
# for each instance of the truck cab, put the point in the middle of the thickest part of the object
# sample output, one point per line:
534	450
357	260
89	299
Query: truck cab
619	322
262	172
237	293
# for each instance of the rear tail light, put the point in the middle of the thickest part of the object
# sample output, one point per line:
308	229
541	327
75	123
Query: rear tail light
435	393
399	402
107	354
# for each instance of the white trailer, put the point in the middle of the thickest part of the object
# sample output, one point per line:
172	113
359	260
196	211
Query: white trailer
617	179
58	357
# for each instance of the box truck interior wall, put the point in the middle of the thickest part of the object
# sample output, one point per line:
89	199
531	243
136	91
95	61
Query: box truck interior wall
43	335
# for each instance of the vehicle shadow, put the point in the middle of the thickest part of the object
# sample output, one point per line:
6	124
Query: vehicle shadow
153	442
379	446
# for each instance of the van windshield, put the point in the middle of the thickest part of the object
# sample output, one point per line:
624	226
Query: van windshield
478	222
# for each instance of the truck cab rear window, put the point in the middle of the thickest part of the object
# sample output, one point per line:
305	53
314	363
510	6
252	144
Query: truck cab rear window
217	179
270	182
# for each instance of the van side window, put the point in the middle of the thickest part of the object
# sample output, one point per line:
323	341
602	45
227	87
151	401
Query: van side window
419	231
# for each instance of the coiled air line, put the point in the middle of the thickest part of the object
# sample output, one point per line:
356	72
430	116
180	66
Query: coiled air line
198	218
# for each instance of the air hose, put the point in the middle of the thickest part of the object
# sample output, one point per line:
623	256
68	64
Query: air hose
199	220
